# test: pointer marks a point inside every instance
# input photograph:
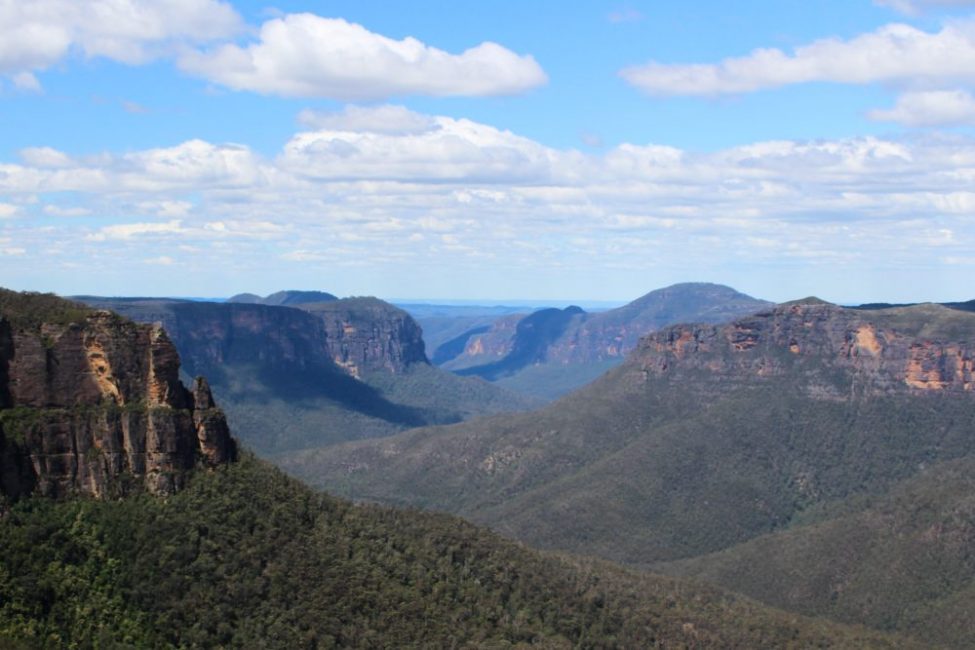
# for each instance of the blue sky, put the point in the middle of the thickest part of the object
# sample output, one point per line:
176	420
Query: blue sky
543	150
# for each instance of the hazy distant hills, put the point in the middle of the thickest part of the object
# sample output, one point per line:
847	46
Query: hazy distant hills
550	352
443	323
284	298
711	436
130	520
292	378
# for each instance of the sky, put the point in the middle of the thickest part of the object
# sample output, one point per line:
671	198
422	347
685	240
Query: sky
585	151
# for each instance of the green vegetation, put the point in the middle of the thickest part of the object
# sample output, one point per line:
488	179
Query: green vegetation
653	472
549	381
29	310
245	557
825	486
902	561
278	413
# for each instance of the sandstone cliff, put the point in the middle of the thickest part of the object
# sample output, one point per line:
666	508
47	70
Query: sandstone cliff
924	348
92	403
368	334
359	335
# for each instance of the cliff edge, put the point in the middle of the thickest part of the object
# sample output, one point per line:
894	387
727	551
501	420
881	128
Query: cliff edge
91	403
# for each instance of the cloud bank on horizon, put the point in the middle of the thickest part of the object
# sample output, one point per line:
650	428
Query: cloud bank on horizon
369	195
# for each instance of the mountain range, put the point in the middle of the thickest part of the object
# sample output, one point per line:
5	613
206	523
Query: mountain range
812	457
131	519
552	351
791	435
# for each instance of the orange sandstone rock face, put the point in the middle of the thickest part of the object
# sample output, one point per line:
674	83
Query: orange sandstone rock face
866	341
96	407
878	351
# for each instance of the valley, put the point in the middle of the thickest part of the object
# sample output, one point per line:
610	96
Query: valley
131	518
830	445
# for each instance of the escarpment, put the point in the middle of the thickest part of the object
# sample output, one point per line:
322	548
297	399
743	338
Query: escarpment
574	337
92	403
921	348
368	334
359	335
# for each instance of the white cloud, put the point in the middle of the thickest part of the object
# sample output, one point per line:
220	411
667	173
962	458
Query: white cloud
188	164
304	55
450	190
369	119
126	231
166	209
447	149
45	157
7	210
26	81
894	53
37	34
930	108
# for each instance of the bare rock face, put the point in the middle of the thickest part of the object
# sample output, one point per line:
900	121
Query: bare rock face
95	406
367	334
490	346
360	335
922	348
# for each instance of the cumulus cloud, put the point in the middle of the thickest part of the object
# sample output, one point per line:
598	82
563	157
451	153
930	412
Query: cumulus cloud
8	210
455	190
45	157
305	55
432	148
930	108
38	34
894	53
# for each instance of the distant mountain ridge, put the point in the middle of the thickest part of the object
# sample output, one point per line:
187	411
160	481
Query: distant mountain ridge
289	297
534	336
584	344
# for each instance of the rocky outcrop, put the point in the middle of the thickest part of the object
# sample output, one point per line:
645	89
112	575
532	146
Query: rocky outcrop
367	335
211	335
95	406
359	335
922	348
481	345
